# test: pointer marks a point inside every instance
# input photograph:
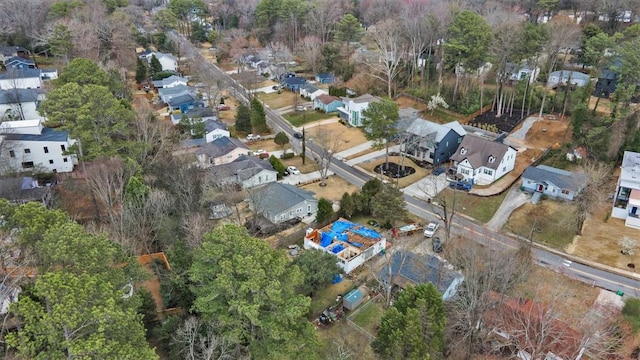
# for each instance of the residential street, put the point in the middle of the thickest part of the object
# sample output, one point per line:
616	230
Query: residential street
577	268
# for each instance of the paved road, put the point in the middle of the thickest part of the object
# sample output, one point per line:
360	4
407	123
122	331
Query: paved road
549	258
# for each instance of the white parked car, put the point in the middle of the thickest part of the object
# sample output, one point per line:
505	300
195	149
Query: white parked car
293	170
431	229
259	152
252	137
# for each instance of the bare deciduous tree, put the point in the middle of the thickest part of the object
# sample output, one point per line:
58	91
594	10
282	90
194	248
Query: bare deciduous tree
328	146
322	17
201	340
597	176
387	38
310	49
107	179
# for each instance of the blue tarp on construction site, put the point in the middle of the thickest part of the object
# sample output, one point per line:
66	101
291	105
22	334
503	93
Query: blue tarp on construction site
366	232
336	249
327	239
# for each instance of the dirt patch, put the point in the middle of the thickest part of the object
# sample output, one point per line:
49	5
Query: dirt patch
345	137
336	186
545	133
404	101
599	240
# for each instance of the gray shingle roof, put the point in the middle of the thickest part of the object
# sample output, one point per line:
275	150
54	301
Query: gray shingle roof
328	99
47	134
244	167
176	90
181	99
221	146
435	131
213	124
13	96
276	197
420	269
20	189
479	150
20	74
169	80
563	179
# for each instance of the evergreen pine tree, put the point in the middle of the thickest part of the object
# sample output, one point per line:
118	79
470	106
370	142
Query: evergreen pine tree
258	116
141	71
154	65
243	119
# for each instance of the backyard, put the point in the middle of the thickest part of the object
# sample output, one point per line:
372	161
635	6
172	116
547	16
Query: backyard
368	316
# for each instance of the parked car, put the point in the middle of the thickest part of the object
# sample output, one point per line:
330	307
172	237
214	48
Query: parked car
285	173
223	107
460	185
431	229
293	170
259	152
436	245
252	137
301	108
439	170
297	135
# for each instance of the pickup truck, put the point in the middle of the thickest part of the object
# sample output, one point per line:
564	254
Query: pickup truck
460	185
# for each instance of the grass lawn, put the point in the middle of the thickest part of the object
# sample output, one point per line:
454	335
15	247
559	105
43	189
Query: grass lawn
336	186
277	101
554	222
344	334
309	165
305	117
368	317
443	116
327	297
478	207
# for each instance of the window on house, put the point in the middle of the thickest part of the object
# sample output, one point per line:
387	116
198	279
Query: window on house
65	159
46	150
463	151
27	164
12	153
51	162
488	172
504	168
492	159
63	148
27	151
565	192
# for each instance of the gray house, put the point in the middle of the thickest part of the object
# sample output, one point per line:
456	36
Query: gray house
408	268
281	202
432	142
552	182
246	171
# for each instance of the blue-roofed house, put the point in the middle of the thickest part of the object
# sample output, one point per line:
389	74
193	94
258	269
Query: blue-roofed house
21	79
552	182
28	145
278	202
352	244
17	62
408	268
20	104
168	93
325	78
293	83
184	103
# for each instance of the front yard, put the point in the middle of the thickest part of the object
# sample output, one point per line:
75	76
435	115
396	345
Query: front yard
402	182
551	222
277	101
298	119
481	208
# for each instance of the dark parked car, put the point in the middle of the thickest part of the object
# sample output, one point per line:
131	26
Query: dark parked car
297	135
438	171
437	245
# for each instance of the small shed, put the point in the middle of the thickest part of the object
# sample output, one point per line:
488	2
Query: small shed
352	299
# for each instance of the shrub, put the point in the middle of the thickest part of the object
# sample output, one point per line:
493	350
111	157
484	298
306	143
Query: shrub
287	155
631	312
277	165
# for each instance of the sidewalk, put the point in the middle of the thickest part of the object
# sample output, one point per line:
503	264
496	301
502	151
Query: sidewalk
317	123
372	155
354	150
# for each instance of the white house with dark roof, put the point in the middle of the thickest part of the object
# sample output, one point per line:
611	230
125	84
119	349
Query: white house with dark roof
17	62
626	201
20	104
220	151
214	129
168	61
311	91
21	79
27	144
552	182
169	82
352	108
245	171
279	202
482	161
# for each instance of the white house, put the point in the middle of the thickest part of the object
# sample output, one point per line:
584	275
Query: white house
27	144
169	82
222	150
279	202
168	61
482	161
352	244
214	129
48	74
246	171
21	79
552	182
352	109
20	104
311	91
521	72
626	202
564	77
